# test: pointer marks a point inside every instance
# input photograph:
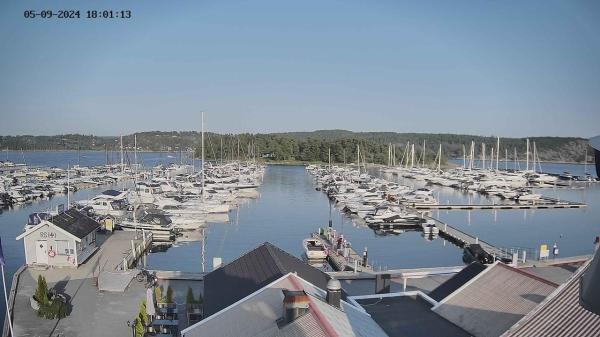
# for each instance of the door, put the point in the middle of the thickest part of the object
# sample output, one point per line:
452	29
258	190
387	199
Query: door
41	251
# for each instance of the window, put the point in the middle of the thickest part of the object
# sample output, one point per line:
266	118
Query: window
62	247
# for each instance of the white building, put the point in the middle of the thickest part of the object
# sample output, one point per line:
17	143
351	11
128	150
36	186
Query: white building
65	240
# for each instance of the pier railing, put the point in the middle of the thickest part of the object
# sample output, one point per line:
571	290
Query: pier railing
137	250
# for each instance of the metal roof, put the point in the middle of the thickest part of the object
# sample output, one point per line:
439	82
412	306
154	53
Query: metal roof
595	142
401	316
252	271
75	222
258	314
560	315
456	281
494	300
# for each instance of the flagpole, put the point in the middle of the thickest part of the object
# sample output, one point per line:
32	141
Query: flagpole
6	301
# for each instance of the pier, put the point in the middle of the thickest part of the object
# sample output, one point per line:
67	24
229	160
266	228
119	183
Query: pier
463	239
348	259
544	203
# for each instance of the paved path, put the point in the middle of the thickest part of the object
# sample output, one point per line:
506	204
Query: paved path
95	313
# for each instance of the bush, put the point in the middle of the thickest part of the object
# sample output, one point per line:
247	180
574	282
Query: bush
51	307
169	295
41	292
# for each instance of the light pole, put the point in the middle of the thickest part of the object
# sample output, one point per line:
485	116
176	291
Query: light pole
132	326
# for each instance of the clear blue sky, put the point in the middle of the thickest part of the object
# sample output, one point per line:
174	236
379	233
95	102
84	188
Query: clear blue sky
508	68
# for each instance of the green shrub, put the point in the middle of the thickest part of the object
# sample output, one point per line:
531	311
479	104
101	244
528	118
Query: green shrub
50	307
41	292
169	295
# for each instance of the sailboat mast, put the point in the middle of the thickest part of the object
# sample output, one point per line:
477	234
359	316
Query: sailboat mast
440	158
527	153
202	162
497	153
483	155
122	167
423	152
358	157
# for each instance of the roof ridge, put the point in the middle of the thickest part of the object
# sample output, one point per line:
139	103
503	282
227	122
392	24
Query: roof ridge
535	277
269	246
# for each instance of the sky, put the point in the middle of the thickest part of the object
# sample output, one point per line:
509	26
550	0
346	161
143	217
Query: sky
507	68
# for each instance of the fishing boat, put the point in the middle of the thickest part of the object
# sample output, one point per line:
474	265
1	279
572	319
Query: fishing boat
314	249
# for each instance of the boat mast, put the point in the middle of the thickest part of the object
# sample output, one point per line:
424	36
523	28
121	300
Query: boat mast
202	175
358	157
497	153
122	167
492	160
527	153
464	157
423	152
412	161
440	158
68	185
483	155
135	152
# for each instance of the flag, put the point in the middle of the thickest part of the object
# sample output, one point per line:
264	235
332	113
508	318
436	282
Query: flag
2	262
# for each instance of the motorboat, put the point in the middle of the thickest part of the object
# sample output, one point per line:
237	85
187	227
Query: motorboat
314	249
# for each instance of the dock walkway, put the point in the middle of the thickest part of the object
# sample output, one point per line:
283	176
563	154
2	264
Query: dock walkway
352	261
463	239
544	203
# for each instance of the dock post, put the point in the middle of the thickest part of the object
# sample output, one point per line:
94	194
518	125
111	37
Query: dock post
404	281
476	240
355	266
124	264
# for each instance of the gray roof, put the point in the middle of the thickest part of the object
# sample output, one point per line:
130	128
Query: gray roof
401	316
560	315
75	222
251	272
258	313
595	142
494	300
456	281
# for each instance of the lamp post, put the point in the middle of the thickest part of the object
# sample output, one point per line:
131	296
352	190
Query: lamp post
132	326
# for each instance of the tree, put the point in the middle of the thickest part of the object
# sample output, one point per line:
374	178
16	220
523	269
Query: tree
169	294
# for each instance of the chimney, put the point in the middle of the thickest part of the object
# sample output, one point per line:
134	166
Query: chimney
334	292
295	304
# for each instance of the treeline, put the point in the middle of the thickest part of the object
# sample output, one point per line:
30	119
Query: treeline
311	146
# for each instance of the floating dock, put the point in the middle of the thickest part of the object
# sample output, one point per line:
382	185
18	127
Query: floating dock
463	239
543	203
351	262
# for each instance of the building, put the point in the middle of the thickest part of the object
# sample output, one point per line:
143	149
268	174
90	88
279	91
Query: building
289	306
494	300
65	240
253	271
595	143
561	314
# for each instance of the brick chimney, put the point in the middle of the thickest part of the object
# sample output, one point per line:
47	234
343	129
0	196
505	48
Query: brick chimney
295	304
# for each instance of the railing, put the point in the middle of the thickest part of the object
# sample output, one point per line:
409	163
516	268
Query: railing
11	300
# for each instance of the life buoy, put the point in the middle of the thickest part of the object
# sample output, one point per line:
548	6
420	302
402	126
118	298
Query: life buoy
51	253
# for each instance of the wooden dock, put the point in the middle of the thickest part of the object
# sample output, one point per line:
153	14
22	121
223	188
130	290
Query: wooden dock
351	262
463	239
544	203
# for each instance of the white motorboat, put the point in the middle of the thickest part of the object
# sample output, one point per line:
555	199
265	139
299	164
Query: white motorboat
314	249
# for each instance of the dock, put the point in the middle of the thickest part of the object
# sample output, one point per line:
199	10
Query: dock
463	239
346	259
543	203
